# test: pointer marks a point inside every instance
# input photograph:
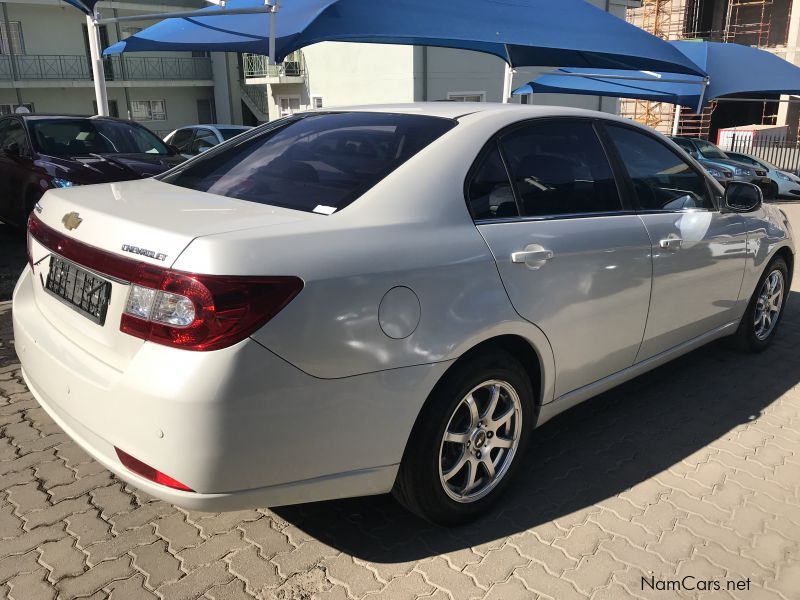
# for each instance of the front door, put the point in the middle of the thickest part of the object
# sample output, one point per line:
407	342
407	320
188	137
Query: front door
574	260
16	172
698	252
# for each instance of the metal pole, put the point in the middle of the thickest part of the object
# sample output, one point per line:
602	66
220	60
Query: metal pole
677	122
508	76
272	38
702	99
98	74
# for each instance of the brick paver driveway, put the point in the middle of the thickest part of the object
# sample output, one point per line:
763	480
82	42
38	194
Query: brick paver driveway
692	470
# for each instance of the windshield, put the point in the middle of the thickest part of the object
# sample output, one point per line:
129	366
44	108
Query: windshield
709	150
230	132
84	137
314	163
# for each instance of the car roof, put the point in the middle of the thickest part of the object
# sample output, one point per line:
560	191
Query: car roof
458	110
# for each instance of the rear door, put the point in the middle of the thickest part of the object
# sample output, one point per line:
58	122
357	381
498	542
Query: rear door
575	261
698	252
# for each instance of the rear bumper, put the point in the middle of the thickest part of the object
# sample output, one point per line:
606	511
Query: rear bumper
240	425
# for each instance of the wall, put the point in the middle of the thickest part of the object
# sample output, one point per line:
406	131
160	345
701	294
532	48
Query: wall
345	73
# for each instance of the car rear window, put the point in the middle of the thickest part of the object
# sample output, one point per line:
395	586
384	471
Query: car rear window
84	137
314	163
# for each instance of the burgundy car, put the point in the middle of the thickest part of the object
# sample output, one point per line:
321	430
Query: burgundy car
39	152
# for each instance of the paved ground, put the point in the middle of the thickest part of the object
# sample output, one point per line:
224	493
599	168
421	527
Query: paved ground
692	470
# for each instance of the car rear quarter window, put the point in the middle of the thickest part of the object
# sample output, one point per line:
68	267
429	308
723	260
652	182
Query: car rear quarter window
559	167
314	163
661	179
489	191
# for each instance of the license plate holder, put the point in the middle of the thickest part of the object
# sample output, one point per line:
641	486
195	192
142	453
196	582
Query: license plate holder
85	292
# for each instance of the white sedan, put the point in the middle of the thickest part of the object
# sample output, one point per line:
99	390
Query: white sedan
787	184
381	299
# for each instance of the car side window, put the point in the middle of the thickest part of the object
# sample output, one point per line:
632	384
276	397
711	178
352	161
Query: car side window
182	140
559	167
204	139
489	191
687	146
14	136
661	179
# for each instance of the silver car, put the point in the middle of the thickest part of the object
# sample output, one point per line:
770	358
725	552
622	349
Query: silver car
381	299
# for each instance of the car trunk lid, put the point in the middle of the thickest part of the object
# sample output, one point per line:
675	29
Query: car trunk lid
139	222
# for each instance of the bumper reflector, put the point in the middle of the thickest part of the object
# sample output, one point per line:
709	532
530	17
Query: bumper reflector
149	473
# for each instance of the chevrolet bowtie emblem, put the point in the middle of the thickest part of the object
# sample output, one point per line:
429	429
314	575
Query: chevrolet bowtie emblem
71	220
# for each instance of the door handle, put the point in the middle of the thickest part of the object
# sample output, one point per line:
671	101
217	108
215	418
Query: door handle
531	254
671	243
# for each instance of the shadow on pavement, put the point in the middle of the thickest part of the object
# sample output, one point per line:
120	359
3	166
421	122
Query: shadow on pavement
12	258
586	455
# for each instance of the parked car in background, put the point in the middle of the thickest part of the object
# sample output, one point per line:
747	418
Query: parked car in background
382	299
723	175
711	156
196	139
788	184
42	152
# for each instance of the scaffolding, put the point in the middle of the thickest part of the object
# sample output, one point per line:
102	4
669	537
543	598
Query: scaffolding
664	19
748	22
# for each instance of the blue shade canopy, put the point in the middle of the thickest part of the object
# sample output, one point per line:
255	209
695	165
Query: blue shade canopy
86	6
521	32
732	69
642	85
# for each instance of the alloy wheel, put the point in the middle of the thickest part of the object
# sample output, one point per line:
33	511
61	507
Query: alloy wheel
480	441
768	305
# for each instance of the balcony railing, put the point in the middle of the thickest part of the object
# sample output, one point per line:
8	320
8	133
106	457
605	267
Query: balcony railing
257	66
78	68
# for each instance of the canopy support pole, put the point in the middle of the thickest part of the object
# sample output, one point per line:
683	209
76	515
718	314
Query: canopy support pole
98	73
677	122
508	78
273	6
186	14
701	102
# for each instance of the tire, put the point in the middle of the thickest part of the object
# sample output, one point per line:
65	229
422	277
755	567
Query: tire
430	482
756	335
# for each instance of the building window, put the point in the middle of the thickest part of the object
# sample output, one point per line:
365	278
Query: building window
206	112
128	31
467	96
201	54
9	109
288	105
14	29
316	102
149	110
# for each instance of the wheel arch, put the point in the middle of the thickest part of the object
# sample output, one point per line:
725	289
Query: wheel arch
786	253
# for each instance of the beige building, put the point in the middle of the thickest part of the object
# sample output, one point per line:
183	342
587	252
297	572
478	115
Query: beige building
44	65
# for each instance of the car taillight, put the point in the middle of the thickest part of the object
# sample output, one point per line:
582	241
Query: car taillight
149	473
174	308
202	312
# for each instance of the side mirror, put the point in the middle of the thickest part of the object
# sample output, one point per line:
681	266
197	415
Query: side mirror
173	149
13	149
743	197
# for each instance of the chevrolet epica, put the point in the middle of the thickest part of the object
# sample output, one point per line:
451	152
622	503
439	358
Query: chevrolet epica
378	299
